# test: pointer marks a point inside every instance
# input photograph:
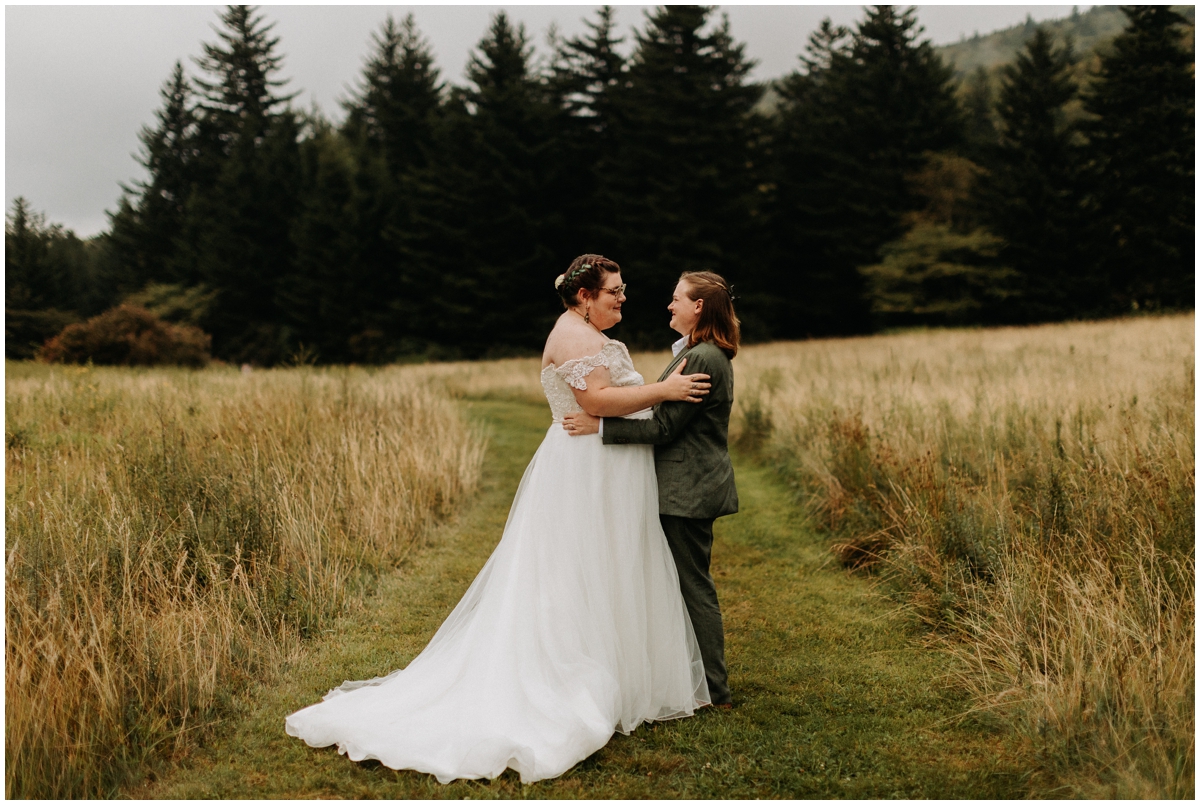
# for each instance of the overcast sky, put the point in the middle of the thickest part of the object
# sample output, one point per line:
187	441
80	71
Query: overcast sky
80	81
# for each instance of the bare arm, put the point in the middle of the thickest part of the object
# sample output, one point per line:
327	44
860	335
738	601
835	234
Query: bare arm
570	341
600	399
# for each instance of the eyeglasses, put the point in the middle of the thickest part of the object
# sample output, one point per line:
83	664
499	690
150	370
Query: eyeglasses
620	289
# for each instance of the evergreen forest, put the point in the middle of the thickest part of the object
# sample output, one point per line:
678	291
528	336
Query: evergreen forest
872	188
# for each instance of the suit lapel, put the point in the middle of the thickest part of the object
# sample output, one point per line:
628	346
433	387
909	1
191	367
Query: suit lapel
671	366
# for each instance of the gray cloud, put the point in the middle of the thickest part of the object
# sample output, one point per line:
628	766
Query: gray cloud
80	81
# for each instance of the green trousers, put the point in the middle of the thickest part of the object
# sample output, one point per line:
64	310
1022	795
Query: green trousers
691	545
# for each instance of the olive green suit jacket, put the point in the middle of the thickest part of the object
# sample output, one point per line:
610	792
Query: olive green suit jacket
691	453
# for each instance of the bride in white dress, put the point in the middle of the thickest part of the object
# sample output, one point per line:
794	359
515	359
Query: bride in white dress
575	627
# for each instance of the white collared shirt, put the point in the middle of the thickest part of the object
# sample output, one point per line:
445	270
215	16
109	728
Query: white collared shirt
676	348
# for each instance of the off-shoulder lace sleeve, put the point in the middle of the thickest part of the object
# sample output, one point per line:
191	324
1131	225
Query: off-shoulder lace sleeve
574	371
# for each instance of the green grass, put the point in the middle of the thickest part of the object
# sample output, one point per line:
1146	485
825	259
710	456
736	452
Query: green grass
834	696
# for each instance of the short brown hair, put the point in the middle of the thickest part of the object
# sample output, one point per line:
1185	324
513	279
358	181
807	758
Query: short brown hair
586	271
718	324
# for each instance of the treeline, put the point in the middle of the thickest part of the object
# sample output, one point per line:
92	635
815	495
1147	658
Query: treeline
430	223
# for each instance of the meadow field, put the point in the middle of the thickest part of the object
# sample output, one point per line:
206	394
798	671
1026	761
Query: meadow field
1024	495
174	534
1029	493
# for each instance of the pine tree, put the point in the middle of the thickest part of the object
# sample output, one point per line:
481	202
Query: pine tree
358	290
238	218
241	102
588	70
1142	161
323	297
489	217
587	74
393	122
394	111
51	278
27	282
143	231
1031	197
798	290
683	179
979	109
857	121
47	265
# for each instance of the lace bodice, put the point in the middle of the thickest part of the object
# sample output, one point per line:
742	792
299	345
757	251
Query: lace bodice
557	381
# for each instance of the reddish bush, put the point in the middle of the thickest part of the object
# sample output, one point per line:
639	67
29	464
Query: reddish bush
128	336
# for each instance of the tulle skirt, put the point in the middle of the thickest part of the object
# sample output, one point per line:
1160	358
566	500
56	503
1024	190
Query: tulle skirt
574	628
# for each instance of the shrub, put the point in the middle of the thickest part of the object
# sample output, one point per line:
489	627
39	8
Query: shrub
128	335
179	304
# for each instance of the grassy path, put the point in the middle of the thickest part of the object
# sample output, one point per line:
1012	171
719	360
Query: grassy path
833	696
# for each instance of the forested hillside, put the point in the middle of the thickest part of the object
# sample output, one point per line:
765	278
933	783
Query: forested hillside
429	220
1087	31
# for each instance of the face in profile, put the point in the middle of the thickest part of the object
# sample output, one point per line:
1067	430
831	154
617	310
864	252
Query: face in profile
606	304
685	311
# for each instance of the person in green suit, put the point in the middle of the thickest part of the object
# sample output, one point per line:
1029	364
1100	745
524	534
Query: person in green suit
691	455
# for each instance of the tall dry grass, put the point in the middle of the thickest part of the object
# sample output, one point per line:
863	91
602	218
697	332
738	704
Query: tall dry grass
173	534
1030	493
516	379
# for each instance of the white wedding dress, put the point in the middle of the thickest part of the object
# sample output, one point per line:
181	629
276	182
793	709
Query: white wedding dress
574	628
